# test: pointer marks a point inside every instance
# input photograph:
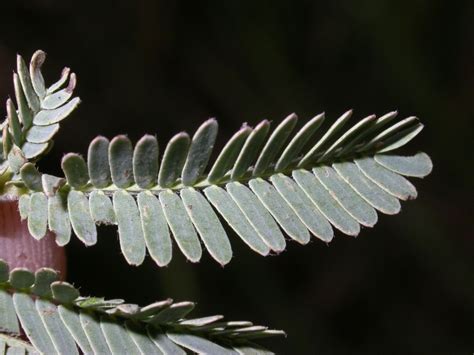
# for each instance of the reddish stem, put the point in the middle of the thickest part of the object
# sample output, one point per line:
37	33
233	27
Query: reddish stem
19	249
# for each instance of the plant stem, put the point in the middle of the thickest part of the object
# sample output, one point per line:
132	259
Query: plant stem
19	249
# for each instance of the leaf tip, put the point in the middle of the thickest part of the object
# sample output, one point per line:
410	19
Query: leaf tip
348	113
72	84
38	59
69	156
99	139
181	135
211	120
263	123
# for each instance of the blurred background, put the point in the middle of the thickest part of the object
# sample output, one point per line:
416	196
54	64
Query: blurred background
165	66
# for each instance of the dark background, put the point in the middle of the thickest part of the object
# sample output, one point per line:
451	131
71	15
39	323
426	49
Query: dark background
164	66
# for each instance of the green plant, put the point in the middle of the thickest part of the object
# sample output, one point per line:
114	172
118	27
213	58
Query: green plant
259	183
59	318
